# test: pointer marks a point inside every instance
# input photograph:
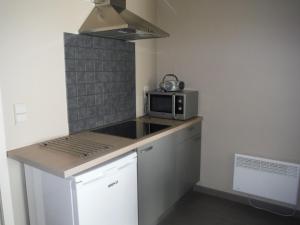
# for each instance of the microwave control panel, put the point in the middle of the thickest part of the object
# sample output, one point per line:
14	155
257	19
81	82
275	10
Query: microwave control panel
179	104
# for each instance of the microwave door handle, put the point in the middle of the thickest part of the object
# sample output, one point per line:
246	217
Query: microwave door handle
173	106
147	104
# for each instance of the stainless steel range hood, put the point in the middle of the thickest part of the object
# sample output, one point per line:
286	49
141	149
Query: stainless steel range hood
111	19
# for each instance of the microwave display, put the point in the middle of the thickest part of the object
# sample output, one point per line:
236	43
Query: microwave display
161	103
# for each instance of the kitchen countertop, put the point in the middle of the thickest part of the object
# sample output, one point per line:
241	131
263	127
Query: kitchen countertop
65	165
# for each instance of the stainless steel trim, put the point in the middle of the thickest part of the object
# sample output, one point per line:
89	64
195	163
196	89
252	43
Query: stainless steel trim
111	19
2	222
147	149
174	106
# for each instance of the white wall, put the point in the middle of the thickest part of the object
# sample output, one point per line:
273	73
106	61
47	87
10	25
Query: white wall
6	210
244	58
145	52
32	72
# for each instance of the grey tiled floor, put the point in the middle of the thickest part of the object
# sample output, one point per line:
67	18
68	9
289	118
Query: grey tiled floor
200	209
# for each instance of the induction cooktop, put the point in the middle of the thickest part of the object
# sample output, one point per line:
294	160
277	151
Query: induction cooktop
132	129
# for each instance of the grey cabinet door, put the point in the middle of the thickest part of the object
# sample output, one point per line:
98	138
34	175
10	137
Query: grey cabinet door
187	164
156	179
195	159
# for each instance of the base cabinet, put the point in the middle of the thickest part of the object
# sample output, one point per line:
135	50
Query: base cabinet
167	169
187	165
156	172
105	195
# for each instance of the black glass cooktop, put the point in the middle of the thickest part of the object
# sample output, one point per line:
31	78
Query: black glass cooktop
132	129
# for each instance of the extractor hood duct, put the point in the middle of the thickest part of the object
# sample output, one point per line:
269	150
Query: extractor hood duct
111	19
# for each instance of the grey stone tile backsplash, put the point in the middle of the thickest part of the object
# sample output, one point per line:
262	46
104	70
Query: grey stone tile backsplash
100	78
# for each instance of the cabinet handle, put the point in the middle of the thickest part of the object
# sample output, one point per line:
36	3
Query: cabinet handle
147	149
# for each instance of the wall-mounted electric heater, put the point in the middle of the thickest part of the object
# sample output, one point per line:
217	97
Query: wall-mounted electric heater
270	179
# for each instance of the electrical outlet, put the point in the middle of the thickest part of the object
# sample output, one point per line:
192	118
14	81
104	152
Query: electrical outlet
146	89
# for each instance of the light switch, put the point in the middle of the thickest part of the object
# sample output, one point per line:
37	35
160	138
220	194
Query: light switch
20	113
145	90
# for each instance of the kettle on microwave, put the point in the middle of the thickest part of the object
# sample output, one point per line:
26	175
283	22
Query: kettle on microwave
171	85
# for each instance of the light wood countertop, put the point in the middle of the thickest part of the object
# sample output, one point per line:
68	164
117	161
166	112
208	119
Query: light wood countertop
66	165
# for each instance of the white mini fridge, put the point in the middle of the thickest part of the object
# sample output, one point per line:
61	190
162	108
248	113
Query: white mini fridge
106	195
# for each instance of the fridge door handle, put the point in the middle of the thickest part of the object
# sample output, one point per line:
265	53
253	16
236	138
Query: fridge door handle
111	172
105	174
127	164
84	183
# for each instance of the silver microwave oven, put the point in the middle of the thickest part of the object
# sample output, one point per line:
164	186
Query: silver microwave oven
181	105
